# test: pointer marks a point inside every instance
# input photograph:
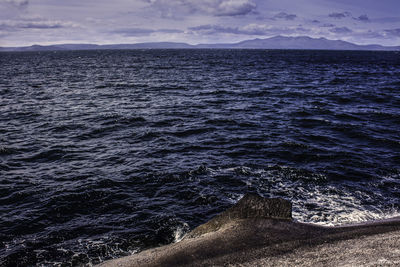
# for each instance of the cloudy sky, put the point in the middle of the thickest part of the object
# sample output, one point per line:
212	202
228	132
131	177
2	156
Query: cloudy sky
27	22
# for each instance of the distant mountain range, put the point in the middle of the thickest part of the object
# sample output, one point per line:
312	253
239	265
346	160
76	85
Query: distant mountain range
277	42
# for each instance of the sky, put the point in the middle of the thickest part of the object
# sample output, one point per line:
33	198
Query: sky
45	22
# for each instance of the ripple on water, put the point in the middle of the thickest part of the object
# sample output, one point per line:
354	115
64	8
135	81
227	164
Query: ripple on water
107	153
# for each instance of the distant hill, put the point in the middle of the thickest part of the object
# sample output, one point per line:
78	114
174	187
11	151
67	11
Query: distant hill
277	42
305	42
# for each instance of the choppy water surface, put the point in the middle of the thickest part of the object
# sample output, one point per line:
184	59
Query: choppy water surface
106	153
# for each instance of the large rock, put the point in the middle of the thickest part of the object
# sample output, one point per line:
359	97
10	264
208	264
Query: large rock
249	207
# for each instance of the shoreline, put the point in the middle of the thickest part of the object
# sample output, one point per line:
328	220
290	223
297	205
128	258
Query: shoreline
261	232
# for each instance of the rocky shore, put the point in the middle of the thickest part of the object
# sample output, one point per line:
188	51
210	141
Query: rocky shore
261	232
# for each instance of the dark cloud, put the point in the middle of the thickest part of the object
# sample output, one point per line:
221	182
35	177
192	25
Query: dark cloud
315	21
363	18
339	15
174	8
16	3
340	30
211	29
234	8
285	16
143	31
393	32
41	25
10	25
328	25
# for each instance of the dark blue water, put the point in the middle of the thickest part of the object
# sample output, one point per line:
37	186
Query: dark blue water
106	153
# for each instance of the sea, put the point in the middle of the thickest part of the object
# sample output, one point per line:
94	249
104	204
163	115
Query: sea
106	153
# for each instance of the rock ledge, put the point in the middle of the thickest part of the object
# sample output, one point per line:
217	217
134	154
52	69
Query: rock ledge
249	207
